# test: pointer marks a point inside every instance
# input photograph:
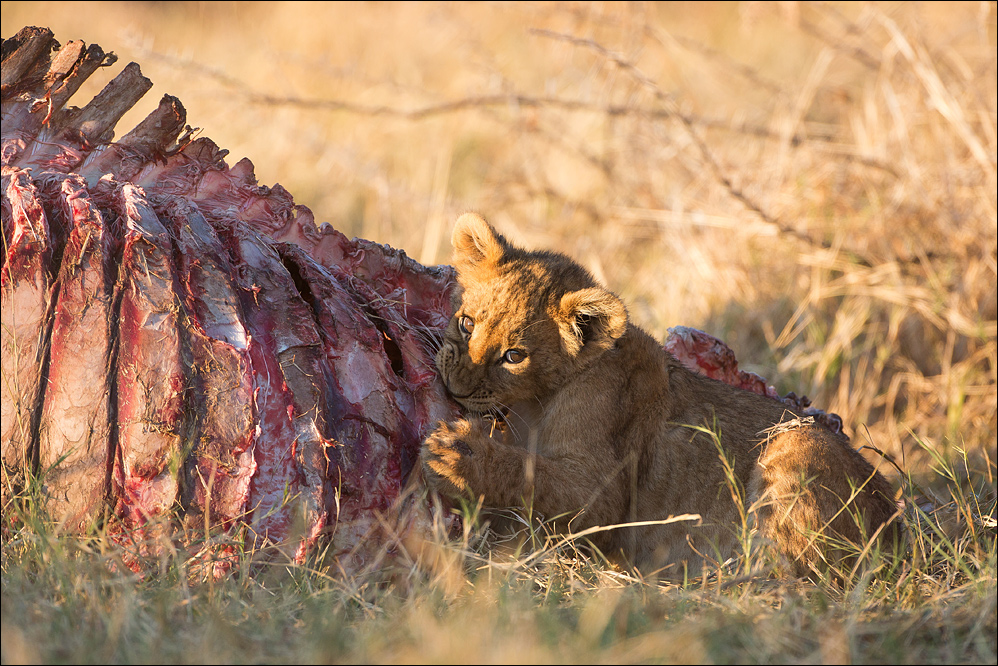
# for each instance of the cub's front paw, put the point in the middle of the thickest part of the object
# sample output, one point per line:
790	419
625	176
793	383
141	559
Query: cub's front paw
448	456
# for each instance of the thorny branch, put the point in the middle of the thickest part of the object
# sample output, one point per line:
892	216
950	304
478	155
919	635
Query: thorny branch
673	111
514	100
668	109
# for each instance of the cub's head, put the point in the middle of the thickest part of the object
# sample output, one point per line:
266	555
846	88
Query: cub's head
525	322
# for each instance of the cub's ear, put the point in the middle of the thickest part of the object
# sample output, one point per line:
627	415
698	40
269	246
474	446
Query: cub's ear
593	317
476	242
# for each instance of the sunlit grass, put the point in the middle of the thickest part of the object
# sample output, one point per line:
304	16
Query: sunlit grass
474	597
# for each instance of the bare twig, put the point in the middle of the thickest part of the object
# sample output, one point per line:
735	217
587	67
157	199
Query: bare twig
687	122
857	53
511	100
472	102
748	73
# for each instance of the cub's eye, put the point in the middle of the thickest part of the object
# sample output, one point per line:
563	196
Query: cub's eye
514	356
466	324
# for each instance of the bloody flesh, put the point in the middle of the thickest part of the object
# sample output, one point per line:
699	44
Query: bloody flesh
74	430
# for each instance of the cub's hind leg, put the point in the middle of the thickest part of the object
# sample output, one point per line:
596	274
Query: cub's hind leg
818	500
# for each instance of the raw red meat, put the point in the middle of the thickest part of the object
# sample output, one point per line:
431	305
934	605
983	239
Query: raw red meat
703	353
24	290
221	426
150	379
75	431
284	349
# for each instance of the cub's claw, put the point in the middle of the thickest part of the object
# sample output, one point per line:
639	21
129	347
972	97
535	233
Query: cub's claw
446	457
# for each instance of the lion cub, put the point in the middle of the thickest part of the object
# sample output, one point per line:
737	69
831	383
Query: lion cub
602	426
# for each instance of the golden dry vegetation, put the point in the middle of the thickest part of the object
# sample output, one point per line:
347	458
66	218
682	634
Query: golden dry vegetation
814	183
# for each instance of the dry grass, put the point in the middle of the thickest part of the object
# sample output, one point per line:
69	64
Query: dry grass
474	599
814	183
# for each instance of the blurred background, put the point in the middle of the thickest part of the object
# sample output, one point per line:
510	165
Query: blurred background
814	183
